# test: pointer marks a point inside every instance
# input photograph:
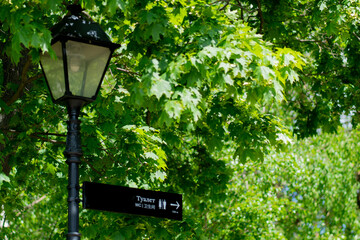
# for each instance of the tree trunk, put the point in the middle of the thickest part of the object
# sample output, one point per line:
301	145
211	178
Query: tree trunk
13	75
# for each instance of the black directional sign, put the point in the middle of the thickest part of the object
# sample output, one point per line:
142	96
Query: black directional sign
112	198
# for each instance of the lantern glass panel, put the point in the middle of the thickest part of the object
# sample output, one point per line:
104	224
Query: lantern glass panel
54	71
86	66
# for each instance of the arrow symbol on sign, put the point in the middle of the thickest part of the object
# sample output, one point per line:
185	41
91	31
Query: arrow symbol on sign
177	205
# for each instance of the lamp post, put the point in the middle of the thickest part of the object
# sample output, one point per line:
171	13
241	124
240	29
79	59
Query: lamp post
74	77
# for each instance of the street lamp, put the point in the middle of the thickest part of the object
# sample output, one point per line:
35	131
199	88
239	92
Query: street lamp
83	51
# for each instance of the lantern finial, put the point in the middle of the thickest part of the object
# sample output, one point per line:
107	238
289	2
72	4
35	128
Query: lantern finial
75	9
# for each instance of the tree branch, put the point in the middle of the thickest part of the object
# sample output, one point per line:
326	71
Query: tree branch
53	229
356	36
310	40
226	4
128	71
148	117
37	135
260	16
24	82
242	9
29	80
32	204
213	3
51	134
4	220
92	167
47	139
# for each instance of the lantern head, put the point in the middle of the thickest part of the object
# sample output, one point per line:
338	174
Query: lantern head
83	51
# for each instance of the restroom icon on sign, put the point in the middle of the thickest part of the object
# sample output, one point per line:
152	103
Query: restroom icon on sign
162	204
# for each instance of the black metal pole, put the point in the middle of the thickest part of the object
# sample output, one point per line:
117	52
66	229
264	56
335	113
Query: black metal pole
73	153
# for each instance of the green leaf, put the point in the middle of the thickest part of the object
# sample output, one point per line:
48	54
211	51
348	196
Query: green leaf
225	66
210	51
228	79
3	178
288	59
14	51
4	107
173	108
279	90
2	138
332	28
50	169
151	155
160	87
322	5
117	236
159	175
156	30
178	16
161	164
264	73
112	6
292	76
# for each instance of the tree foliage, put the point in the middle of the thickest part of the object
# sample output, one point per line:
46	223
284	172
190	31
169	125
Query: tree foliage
192	100
308	191
327	33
